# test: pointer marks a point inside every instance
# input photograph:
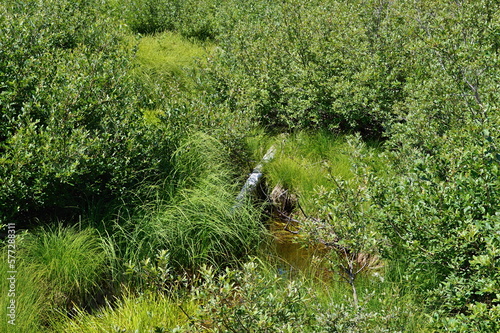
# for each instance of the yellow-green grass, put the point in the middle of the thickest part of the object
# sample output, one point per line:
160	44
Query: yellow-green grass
169	52
72	261
166	65
143	313
23	301
305	162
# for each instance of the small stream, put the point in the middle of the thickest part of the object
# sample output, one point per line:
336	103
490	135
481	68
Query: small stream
293	257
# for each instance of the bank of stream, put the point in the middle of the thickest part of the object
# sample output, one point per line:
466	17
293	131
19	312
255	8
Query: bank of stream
285	248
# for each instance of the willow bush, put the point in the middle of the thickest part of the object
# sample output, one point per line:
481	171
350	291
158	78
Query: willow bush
439	207
71	130
309	64
150	16
424	76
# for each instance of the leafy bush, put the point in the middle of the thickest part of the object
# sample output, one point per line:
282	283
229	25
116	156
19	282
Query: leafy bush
295	66
200	19
444	225
71	129
258	299
150	16
439	207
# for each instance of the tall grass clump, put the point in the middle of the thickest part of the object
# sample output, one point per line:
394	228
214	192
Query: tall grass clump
205	228
58	269
305	161
199	224
69	263
199	157
144	313
31	305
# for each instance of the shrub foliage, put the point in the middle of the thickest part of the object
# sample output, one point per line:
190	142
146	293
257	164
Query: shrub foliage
71	130
421	75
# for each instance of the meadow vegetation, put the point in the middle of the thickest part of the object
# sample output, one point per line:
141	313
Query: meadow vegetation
128	127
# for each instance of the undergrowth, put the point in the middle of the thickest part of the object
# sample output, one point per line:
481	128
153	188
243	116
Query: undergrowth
31	300
149	312
58	269
199	224
105	101
306	162
258	298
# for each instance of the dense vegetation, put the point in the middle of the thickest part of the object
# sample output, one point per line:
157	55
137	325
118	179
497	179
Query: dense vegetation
126	128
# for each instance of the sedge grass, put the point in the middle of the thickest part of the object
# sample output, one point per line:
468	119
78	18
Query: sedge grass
168	60
205	228
134	313
199	224
57	268
70	262
305	163
31	305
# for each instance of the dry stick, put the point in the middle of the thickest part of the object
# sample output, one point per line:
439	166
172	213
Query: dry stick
363	267
191	320
288	219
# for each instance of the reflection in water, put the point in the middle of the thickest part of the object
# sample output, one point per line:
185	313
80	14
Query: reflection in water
294	256
291	256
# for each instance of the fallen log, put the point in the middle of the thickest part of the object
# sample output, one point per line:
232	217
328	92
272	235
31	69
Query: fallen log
254	178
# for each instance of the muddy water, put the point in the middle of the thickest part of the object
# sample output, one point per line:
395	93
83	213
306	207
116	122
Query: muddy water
292	256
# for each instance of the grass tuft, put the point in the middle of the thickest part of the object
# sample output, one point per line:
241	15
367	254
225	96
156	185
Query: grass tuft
144	313
68	261
28	293
57	268
305	162
170	52
198	225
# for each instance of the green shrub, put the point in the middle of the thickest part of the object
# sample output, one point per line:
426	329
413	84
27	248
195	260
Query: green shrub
444	226
313	64
71	131
200	19
439	206
150	16
258	299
